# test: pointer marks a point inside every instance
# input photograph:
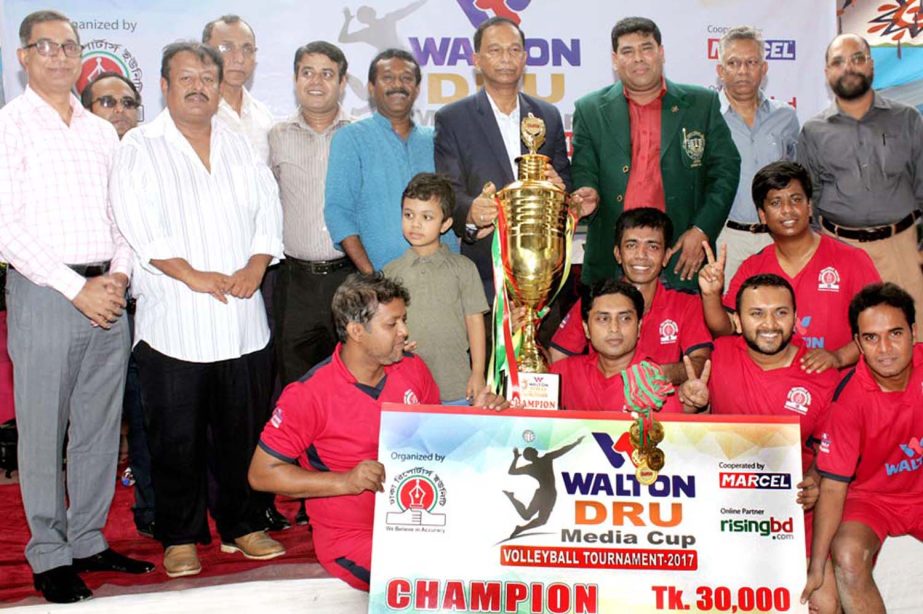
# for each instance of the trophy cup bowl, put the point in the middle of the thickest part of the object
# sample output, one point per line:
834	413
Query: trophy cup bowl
536	214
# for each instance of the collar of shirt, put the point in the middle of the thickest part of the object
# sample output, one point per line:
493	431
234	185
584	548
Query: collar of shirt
868	381
509	130
48	113
438	257
763	104
247	106
342	118
385	124
878	102
660	94
164	125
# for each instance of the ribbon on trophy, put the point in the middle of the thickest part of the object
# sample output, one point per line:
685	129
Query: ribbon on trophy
646	389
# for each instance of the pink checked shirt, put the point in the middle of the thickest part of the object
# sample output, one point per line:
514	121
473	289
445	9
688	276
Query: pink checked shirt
54	198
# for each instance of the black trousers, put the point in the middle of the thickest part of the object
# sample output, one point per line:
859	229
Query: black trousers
182	402
304	330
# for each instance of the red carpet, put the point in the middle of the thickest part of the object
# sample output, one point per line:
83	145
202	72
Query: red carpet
16	576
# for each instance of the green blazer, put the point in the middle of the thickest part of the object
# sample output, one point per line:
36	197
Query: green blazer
699	175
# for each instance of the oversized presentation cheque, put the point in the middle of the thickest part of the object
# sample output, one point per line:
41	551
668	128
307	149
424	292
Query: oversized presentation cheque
532	512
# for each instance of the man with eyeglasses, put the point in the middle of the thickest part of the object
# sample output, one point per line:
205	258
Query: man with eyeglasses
478	139
114	98
764	130
238	109
69	267
649	142
865	154
372	160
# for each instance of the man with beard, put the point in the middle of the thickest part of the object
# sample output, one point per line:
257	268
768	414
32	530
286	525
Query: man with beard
865	153
673	322
372	160
824	272
759	374
869	457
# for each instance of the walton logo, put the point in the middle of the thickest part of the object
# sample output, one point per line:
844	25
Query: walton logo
801	327
101	56
479	11
615	451
914	453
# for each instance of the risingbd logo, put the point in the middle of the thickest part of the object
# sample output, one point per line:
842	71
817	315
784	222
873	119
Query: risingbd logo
479	11
913	450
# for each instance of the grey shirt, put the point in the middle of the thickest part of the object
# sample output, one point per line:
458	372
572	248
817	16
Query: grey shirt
866	172
298	158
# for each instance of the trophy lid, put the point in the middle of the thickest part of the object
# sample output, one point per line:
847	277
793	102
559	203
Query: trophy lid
532	130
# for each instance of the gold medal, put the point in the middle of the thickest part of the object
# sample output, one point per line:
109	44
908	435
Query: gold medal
637	457
655	435
645	475
655	459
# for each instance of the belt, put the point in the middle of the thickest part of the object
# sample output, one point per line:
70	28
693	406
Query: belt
754	228
94	269
875	233
319	267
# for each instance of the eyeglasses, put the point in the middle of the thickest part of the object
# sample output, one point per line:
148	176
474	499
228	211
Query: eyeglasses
109	102
857	59
49	48
750	64
246	49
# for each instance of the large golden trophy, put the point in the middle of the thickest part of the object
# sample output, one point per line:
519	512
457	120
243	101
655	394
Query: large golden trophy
534	238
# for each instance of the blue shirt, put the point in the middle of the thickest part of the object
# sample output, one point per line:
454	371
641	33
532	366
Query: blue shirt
369	167
772	138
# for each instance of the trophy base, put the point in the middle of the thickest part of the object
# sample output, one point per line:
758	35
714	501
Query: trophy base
531	360
537	390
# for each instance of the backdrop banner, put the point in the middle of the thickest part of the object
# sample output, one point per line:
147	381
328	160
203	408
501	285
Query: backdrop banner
522	511
569	46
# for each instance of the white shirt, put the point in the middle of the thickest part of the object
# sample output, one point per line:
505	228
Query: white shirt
254	122
169	206
510	131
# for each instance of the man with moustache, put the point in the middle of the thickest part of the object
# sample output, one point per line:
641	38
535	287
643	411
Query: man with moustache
764	130
69	267
759	374
201	334
372	160
869	456
673	322
649	142
824	272
865	154
478	139
239	110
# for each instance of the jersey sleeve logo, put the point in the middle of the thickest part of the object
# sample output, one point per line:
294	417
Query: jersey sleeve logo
410	397
276	419
824	443
828	280
668	331
798	400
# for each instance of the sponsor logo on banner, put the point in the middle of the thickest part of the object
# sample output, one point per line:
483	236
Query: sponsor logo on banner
771	527
798	400
668	331
755	480
416	493
479	11
103	55
780	49
828	280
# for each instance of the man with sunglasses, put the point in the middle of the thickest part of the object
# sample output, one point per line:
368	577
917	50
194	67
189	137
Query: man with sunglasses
238	109
69	267
865	155
115	98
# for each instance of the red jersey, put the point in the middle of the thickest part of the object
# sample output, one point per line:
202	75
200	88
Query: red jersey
674	325
742	387
329	422
584	387
823	288
872	437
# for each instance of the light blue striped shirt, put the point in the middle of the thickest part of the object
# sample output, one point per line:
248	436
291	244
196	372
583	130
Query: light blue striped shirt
772	137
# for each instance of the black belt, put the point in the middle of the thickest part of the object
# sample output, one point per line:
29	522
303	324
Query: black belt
94	269
875	233
754	228
319	267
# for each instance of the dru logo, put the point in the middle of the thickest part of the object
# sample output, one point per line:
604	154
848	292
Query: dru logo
101	56
798	400
668	331
416	494
828	280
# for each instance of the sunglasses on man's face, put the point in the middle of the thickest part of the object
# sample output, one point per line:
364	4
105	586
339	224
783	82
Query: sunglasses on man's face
109	102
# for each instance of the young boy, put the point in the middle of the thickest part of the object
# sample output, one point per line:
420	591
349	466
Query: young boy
447	298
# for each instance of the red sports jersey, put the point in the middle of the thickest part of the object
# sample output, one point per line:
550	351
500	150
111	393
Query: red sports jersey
823	289
739	386
872	437
673	326
584	387
329	422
